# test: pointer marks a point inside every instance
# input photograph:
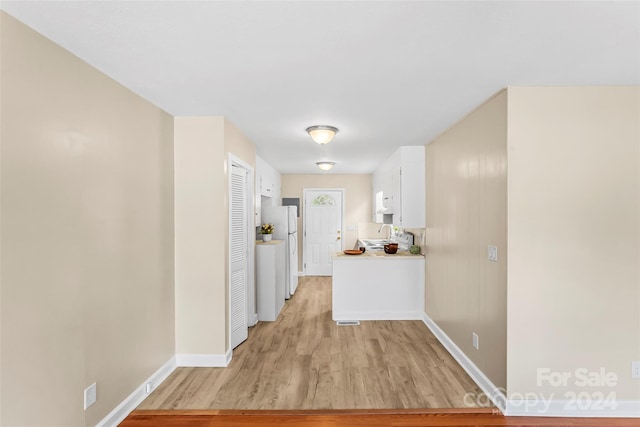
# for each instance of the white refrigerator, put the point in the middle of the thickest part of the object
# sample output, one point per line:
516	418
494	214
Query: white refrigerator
285	227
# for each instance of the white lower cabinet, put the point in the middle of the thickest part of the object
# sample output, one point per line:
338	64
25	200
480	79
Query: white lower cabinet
270	278
366	287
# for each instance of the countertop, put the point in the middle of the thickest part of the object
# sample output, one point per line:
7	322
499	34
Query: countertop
272	242
379	255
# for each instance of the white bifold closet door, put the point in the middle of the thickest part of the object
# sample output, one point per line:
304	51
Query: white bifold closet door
239	255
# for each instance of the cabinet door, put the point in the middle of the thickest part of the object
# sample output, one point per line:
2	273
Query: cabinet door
266	185
376	198
396	183
275	188
413	193
387	189
258	207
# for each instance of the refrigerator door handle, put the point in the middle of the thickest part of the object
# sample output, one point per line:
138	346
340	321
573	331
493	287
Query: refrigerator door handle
295	244
294	220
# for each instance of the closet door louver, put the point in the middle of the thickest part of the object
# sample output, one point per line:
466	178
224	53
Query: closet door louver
239	267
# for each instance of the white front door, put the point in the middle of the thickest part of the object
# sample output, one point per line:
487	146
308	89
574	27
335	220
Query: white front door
239	253
323	230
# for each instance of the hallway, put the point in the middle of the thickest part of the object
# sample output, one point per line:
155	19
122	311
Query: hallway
305	361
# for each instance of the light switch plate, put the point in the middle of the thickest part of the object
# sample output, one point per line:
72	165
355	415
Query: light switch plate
90	395
635	369
492	253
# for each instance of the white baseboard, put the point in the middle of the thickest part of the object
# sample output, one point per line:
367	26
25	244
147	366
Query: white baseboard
532	408
568	408
254	320
301	274
494	393
121	411
204	360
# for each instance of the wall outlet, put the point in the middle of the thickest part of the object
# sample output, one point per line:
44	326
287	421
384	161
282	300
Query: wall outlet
492	253
90	395
635	369
476	341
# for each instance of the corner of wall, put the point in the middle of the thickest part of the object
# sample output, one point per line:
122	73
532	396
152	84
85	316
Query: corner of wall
467	212
199	258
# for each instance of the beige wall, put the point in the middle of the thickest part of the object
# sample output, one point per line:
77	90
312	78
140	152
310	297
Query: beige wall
87	235
574	235
237	143
573	202
466	212
202	146
357	200
200	221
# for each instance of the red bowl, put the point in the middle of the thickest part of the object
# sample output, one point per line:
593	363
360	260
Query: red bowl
391	248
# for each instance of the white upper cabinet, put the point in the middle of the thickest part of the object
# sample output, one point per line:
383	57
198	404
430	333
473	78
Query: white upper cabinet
377	196
266	181
399	188
268	184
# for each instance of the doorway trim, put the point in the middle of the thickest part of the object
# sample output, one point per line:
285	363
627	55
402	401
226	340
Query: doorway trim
304	219
251	237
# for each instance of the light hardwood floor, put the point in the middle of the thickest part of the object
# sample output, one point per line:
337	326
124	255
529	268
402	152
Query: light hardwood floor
305	361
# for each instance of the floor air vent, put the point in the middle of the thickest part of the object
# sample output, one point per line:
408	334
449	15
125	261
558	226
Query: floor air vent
348	322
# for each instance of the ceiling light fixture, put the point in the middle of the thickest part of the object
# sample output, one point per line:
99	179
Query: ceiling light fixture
325	166
322	134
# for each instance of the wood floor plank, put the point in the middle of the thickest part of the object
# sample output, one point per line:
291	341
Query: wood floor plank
305	361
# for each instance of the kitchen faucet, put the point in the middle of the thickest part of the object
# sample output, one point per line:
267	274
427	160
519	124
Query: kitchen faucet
382	226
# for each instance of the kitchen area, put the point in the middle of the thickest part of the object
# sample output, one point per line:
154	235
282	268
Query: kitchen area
383	279
378	284
378	265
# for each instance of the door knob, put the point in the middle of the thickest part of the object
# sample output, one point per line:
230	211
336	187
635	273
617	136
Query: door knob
338	238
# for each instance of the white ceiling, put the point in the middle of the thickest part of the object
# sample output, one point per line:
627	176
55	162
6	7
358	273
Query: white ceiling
386	73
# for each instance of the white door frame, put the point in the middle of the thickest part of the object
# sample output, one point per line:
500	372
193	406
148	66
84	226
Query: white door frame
251	238
304	220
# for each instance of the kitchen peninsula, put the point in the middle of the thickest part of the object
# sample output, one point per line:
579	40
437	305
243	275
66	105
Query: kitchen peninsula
378	286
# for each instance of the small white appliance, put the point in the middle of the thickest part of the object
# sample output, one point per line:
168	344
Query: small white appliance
285	227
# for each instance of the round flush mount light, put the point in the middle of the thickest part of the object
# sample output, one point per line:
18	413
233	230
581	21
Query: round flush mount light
325	166
322	134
